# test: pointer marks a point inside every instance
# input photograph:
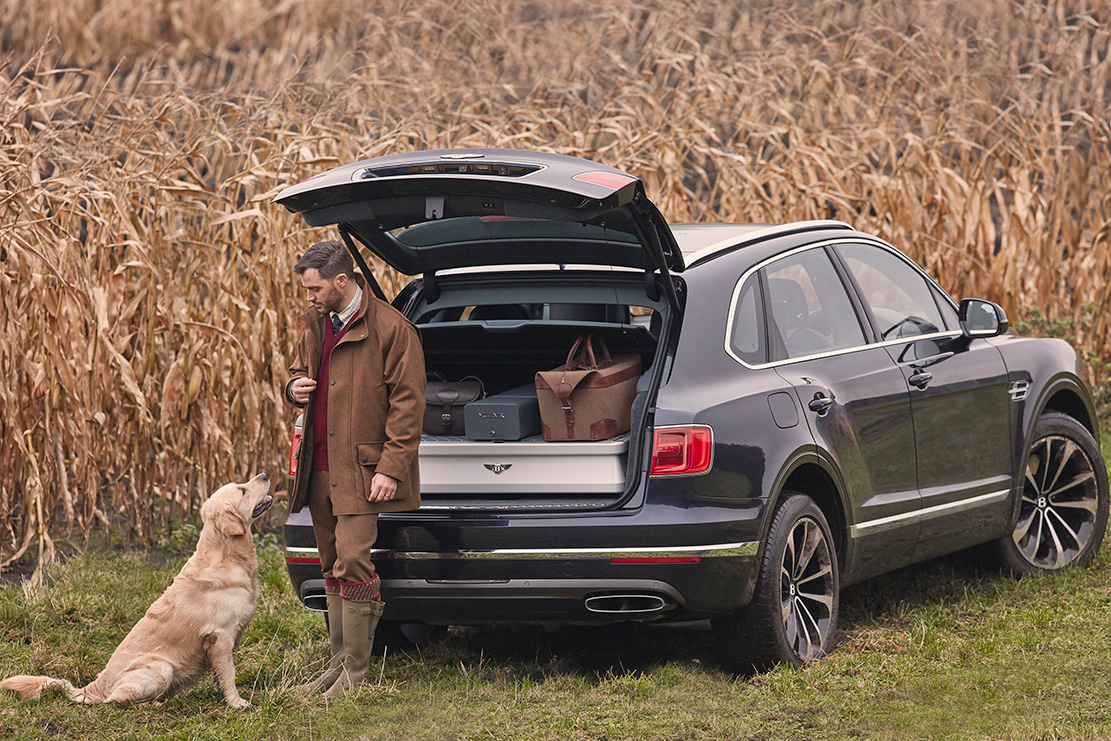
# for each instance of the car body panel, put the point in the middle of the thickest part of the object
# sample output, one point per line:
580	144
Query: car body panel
868	436
963	422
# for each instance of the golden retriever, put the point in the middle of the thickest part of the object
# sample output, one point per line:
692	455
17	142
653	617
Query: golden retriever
195	623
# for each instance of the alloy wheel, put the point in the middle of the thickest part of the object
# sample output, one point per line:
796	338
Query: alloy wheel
1060	504
807	589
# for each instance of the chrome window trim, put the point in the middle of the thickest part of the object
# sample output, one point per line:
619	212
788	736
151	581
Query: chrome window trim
882	524
856	239
721	550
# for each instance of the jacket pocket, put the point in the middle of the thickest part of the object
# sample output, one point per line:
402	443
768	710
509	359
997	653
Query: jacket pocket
370	453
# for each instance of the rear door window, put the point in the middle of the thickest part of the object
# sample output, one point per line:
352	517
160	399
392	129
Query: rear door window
809	310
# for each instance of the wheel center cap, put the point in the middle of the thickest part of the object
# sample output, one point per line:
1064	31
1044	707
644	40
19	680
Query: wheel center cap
791	590
1042	503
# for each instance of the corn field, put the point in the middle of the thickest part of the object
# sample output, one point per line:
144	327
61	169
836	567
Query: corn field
147	302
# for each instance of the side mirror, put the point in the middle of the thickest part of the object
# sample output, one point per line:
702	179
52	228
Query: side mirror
980	318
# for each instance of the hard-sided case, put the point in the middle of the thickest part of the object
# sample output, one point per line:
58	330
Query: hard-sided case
510	415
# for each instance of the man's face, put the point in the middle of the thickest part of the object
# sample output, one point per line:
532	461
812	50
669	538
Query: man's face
324	295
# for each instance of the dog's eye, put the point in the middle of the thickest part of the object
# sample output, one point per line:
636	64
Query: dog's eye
242	490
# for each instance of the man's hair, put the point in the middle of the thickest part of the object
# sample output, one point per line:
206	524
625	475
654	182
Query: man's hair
330	259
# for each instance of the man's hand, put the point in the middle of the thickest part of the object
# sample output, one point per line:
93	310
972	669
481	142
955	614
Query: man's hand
382	488
301	389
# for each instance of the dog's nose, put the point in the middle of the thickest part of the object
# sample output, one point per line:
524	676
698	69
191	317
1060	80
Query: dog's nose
263	477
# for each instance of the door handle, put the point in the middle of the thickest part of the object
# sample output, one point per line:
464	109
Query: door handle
820	403
920	378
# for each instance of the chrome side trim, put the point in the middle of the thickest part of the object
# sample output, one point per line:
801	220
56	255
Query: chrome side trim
723	550
921	515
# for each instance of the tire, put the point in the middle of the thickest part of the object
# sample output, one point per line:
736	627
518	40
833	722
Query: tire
792	617
1063	511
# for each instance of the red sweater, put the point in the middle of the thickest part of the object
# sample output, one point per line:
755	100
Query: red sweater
320	409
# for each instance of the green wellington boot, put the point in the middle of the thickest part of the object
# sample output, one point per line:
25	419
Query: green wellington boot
335	638
360	619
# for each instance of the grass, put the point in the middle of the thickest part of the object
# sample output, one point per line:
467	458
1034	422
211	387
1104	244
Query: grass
944	650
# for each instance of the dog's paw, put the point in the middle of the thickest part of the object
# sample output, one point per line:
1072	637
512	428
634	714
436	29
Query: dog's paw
238	703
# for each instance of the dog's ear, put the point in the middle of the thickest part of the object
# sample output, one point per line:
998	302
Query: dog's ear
223	517
229	522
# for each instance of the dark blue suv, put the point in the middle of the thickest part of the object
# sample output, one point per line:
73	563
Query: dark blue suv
813	410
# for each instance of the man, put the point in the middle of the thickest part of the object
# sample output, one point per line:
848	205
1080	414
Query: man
359	373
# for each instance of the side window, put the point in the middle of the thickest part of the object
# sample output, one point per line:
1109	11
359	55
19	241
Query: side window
809	310
901	299
746	330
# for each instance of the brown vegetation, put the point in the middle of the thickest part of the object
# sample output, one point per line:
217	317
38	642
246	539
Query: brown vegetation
146	303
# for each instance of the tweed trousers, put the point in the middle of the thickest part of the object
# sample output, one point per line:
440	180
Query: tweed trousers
343	541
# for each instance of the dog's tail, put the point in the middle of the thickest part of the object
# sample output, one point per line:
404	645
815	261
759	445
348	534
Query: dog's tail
30	688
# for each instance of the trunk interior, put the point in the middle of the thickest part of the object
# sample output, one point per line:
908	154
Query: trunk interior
504	345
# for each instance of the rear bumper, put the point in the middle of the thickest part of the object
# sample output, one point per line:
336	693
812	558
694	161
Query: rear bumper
518	600
586	585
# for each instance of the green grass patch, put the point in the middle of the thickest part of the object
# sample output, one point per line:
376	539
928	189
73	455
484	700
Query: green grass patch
942	650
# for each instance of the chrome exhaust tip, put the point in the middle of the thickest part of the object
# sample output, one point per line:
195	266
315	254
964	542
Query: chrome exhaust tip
316	601
626	604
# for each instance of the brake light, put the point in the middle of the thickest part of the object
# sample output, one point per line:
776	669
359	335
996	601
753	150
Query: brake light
682	451
611	180
294	446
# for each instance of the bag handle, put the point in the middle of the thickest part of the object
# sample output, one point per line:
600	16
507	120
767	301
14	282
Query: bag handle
481	385
588	361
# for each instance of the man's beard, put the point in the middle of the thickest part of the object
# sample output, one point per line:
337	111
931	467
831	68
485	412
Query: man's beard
331	302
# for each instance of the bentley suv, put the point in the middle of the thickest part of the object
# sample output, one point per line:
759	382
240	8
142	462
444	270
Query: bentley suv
812	410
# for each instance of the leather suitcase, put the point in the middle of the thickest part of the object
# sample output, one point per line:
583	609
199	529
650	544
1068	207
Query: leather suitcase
510	415
445	402
587	398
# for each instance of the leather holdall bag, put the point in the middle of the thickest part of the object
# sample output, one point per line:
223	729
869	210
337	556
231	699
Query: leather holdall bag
444	402
588	397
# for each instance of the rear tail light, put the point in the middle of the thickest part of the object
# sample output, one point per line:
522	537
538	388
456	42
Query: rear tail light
294	447
682	451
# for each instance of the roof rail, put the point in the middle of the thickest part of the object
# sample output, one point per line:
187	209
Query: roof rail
778	230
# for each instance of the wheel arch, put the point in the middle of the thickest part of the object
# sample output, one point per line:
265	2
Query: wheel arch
1066	395
1056	377
809	477
1067	400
